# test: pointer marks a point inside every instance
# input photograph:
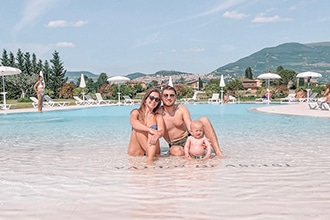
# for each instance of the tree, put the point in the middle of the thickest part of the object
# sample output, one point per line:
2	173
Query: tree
22	84
102	79
235	85
57	76
248	73
67	90
287	76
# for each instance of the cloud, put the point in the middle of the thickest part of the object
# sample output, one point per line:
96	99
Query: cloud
63	23
234	15
224	5
31	12
65	44
262	18
194	50
152	39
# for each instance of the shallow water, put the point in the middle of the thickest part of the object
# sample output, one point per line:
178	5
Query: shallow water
73	165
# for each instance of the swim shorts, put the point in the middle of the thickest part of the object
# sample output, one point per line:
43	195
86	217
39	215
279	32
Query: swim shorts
180	142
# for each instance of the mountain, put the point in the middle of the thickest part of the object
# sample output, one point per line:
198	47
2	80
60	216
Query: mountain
293	56
73	76
135	75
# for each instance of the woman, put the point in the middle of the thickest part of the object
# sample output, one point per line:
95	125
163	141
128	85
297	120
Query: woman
147	127
39	88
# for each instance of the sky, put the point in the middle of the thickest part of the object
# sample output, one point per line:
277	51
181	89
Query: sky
119	37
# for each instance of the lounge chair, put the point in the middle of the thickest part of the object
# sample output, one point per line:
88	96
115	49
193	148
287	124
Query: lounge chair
35	103
128	100
79	101
290	98
232	99
312	98
52	103
325	106
5	106
90	100
100	100
214	98
192	99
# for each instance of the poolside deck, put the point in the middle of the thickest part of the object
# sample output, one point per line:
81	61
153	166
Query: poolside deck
299	109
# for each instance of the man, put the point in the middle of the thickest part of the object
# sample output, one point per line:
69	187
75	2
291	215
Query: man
177	121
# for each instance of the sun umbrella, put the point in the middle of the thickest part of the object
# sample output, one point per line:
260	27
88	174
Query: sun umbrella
268	77
308	75
82	84
118	80
222	84
7	71
170	82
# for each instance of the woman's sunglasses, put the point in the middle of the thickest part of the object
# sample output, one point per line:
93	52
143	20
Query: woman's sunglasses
169	95
152	98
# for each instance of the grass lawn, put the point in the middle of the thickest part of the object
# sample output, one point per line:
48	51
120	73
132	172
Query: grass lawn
18	105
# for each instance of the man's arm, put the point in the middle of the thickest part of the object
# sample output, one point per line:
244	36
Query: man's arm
185	116
211	135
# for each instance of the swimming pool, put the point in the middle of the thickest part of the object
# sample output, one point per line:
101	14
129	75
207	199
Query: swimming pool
73	165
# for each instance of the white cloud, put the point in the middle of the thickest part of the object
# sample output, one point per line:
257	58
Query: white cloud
63	23
79	23
194	50
234	15
262	18
32	10
152	39
65	44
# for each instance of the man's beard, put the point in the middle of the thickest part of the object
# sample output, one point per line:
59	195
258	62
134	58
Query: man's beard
166	105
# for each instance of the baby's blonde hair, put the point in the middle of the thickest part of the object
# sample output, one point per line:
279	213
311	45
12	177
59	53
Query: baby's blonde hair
196	122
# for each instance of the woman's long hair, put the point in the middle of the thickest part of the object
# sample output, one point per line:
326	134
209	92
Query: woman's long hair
142	107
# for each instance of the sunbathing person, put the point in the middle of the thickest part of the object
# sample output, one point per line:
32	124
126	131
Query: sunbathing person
177	121
197	146
326	93
147	127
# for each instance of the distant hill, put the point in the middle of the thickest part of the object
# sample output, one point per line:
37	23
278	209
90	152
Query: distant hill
135	75
73	76
293	56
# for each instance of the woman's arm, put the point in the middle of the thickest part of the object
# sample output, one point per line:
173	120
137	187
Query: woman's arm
136	124
35	86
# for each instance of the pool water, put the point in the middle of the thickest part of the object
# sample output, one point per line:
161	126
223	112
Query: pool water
73	164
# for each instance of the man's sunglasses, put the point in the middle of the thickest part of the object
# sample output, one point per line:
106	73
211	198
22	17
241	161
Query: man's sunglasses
152	98
169	95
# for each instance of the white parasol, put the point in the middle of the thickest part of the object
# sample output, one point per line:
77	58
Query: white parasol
170	82
118	80
222	84
82	85
308	75
7	71
268	77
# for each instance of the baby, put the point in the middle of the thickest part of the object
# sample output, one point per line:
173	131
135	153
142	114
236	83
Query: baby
197	143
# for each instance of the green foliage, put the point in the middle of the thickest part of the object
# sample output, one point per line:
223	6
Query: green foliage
287	76
57	77
153	83
248	73
23	100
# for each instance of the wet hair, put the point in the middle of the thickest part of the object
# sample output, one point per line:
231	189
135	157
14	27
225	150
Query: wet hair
169	88
142	107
